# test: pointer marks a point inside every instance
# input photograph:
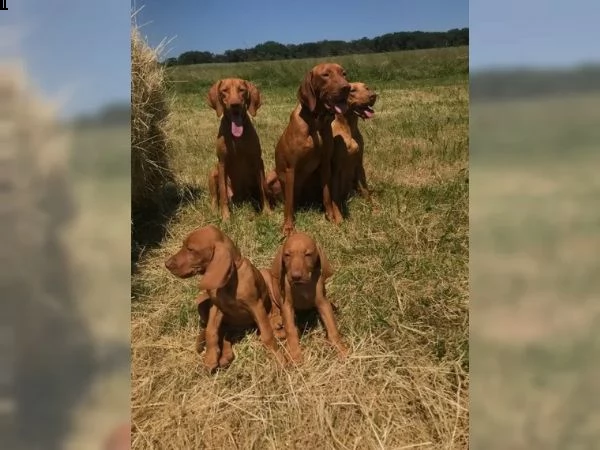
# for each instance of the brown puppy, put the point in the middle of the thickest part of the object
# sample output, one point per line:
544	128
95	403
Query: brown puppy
299	271
348	171
240	172
239	297
306	145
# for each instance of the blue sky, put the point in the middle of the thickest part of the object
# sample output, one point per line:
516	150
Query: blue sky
76	50
216	25
533	32
79	49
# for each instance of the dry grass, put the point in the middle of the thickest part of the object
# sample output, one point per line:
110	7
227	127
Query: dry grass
149	124
400	282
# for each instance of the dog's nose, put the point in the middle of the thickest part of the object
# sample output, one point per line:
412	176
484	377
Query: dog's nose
296	275
346	89
373	97
235	106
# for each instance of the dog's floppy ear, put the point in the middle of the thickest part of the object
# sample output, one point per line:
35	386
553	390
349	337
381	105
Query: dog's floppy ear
253	98
326	270
213	98
306	92
219	269
277	265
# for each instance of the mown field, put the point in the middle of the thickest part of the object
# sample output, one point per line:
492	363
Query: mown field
534	272
400	281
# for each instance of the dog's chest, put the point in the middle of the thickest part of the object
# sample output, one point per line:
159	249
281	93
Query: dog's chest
303	296
352	147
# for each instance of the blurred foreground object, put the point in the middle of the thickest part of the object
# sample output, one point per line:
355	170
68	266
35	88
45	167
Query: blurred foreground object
120	438
52	359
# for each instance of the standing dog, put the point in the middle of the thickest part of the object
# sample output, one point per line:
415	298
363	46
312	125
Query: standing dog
306	145
348	171
238	294
240	172
299	271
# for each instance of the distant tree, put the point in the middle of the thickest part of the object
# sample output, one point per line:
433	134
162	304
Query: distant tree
271	50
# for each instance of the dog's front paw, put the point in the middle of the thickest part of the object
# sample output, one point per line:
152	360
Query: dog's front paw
296	355
342	350
211	361
226	360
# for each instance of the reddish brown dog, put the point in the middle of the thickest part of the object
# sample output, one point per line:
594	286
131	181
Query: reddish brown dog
348	172
306	145
299	271
240	172
239	297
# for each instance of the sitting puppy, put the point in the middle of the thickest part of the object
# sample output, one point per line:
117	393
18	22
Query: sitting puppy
298	272
240	172
348	171
239	297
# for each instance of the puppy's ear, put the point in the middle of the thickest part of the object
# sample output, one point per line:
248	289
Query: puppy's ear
253	98
326	270
306	92
277	268
213	98
274	293
219	269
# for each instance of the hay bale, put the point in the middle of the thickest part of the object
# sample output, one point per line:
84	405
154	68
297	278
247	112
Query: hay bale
149	125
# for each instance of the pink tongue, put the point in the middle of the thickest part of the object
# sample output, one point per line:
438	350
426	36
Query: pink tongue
237	129
368	113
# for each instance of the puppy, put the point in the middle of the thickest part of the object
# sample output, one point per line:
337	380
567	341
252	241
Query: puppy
238	294
240	172
299	271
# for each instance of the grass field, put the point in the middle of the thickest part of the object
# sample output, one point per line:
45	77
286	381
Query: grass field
534	273
400	282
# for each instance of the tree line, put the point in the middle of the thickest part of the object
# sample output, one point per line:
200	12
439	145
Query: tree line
533	82
271	50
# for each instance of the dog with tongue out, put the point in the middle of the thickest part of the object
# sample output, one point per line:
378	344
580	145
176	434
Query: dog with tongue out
240	173
347	169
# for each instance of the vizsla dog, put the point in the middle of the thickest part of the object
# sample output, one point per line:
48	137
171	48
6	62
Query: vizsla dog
306	145
240	172
239	297
298	272
348	171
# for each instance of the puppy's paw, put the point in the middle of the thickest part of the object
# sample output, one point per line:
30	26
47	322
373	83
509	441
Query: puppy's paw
342	349
296	356
226	360
211	361
200	343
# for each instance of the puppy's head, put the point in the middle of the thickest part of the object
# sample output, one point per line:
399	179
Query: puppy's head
325	86
203	253
300	260
233	97
361	100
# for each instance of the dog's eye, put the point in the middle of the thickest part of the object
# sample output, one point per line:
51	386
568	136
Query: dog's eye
286	254
326	74
308	254
344	74
353	89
